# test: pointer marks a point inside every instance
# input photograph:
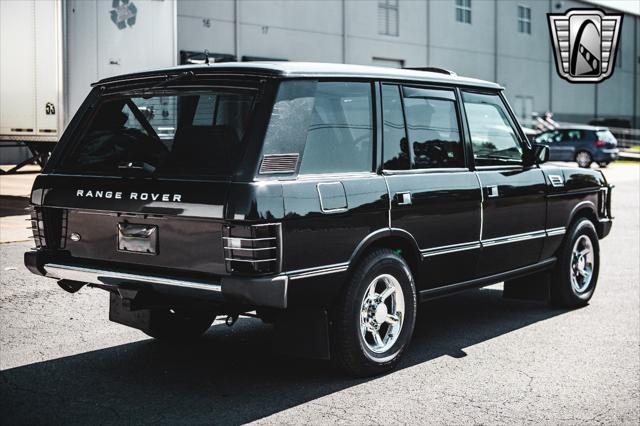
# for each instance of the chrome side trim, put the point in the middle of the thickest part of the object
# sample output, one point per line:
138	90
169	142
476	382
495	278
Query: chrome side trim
551	232
250	239
317	271
514	238
436	251
100	276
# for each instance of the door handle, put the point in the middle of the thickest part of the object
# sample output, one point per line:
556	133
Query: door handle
492	191
403	198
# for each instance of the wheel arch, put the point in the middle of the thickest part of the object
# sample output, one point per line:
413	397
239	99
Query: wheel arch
586	209
395	239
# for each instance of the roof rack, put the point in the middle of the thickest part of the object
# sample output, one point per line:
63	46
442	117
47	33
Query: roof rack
433	69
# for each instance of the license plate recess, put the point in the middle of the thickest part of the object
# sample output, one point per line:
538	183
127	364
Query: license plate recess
137	238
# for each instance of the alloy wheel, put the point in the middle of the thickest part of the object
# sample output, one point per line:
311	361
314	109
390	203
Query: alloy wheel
582	263
382	313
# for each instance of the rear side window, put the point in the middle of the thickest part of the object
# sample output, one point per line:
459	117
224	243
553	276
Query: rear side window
573	136
493	138
431	136
340	132
327	124
184	134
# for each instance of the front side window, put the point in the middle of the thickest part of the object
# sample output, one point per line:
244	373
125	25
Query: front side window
340	133
493	138
463	11
388	17
430	138
553	136
183	133
524	19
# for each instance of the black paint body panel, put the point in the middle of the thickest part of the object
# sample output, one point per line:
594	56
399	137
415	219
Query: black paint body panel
327	222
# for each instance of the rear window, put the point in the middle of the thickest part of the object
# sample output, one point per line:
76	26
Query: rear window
187	133
605	135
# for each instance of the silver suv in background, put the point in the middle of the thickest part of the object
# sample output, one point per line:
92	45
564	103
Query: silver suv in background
582	144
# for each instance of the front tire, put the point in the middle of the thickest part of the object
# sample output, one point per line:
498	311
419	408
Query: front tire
584	159
178	324
373	322
575	276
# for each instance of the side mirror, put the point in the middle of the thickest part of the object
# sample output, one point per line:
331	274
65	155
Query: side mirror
540	153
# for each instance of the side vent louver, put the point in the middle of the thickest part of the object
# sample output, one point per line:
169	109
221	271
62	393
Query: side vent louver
556	181
279	163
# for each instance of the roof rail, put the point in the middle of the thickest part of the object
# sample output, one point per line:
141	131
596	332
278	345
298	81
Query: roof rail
432	69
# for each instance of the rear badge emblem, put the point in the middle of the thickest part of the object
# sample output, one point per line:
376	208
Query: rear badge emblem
75	236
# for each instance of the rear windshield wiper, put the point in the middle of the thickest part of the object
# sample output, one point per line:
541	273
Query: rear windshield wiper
140	166
181	76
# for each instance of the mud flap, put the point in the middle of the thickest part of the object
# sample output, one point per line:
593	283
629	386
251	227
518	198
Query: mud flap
535	287
303	332
120	310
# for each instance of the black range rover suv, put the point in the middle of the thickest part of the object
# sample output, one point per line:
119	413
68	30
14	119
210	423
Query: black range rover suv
327	199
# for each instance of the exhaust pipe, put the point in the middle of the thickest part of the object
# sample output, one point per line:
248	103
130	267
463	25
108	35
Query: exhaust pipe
70	286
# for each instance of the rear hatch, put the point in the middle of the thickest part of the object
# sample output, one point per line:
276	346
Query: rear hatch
144	180
606	139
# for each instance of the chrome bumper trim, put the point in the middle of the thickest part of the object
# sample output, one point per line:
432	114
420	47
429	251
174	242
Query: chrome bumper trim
100	276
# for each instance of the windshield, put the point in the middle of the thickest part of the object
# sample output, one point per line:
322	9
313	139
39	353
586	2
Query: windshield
187	133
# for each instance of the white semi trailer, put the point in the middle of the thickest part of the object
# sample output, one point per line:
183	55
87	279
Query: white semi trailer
52	50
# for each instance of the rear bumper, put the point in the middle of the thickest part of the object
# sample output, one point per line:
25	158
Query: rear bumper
255	291
606	155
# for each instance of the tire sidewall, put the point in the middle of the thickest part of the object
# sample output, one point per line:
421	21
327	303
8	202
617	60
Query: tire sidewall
581	227
392	264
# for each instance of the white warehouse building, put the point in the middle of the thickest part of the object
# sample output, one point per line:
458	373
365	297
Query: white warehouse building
52	50
506	41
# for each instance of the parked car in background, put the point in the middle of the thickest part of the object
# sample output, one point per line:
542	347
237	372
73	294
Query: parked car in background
582	144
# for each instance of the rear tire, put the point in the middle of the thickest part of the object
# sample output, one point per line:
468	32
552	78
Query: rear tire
574	278
373	322
584	159
179	324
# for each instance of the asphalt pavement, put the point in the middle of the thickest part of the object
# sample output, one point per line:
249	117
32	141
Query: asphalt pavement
475	358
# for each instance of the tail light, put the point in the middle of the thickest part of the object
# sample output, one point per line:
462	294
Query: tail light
37	227
253	249
599	143
49	227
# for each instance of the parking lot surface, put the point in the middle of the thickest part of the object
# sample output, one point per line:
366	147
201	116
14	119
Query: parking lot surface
475	358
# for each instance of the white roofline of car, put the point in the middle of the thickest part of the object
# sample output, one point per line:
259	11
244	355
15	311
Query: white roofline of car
313	69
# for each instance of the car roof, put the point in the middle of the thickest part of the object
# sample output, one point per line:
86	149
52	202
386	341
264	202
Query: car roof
287	69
